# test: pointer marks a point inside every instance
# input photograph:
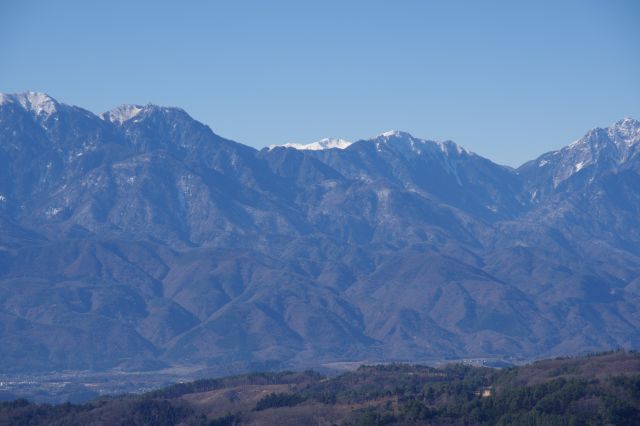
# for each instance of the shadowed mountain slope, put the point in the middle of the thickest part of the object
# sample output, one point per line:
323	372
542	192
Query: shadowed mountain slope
140	237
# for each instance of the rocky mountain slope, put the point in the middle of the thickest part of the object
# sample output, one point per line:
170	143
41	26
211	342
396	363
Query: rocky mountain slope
140	239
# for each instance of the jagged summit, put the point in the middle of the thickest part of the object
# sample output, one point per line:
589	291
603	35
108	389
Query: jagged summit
417	145
122	113
627	122
43	105
621	135
37	102
600	150
126	112
625	131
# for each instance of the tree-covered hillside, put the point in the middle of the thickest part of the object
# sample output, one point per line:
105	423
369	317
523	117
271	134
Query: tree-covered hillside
597	389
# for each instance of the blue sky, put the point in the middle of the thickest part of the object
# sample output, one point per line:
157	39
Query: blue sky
506	79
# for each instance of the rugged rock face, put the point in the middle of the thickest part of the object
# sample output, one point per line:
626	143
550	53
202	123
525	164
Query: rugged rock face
139	238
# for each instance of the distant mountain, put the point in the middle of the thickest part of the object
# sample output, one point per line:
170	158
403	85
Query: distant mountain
599	152
140	239
326	143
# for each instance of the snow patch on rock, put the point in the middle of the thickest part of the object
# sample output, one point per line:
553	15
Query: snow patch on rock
122	113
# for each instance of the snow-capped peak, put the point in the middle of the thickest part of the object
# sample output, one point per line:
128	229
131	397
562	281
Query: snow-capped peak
417	145
39	103
623	133
601	149
626	131
627	122
326	143
122	113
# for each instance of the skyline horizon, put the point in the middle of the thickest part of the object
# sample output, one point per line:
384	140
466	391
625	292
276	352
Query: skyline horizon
505	80
298	144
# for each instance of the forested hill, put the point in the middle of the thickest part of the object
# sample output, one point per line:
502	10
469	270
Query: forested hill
597	389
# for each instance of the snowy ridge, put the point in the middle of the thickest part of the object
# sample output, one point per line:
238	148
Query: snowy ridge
600	149
39	103
326	143
417	145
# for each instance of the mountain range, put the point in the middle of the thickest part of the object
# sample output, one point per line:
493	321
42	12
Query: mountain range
139	239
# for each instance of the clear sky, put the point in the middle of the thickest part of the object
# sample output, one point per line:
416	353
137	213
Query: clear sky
506	79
